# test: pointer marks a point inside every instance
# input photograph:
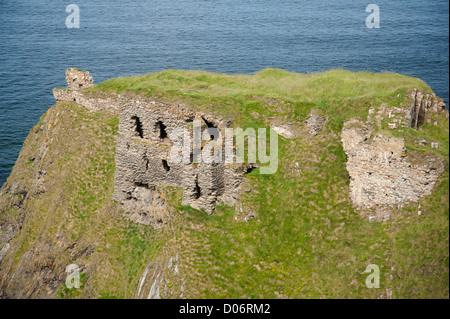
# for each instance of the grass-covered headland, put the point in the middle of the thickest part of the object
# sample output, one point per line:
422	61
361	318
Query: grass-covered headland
306	241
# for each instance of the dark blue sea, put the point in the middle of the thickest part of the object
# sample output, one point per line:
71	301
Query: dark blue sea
119	38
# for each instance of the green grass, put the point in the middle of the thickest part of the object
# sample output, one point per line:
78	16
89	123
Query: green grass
308	242
72	293
341	93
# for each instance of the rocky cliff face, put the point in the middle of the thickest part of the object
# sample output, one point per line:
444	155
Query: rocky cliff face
46	197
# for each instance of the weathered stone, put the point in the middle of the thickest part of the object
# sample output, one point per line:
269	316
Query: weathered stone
250	216
423	105
423	142
4	250
392	126
380	171
315	122
284	130
99	102
143	163
78	79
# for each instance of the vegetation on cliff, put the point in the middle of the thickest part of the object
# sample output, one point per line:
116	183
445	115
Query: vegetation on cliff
306	240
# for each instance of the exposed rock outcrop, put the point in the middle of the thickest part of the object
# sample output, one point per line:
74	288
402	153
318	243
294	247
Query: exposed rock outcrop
56	208
162	280
315	122
423	108
284	130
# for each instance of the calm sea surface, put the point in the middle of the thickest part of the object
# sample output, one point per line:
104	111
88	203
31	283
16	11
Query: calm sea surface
118	38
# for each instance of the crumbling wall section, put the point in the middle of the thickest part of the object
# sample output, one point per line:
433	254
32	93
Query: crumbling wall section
381	172
94	102
78	79
143	162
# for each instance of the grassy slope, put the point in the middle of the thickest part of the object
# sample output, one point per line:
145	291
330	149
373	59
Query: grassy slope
307	241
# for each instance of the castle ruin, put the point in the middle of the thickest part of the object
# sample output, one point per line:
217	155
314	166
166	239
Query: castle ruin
142	156
381	173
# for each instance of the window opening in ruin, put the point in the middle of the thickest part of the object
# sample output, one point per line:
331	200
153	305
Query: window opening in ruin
161	128
248	170
143	185
138	126
197	191
166	165
211	126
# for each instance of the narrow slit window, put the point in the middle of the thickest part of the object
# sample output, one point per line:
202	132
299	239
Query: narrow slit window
166	165
197	191
212	128
161	130
138	127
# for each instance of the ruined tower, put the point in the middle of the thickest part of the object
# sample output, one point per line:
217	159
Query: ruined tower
143	163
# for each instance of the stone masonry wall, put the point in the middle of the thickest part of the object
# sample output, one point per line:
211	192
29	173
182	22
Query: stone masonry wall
143	163
78	79
381	172
423	108
109	102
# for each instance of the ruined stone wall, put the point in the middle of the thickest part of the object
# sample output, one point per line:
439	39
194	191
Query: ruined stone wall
78	79
97	102
423	108
381	172
143	163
